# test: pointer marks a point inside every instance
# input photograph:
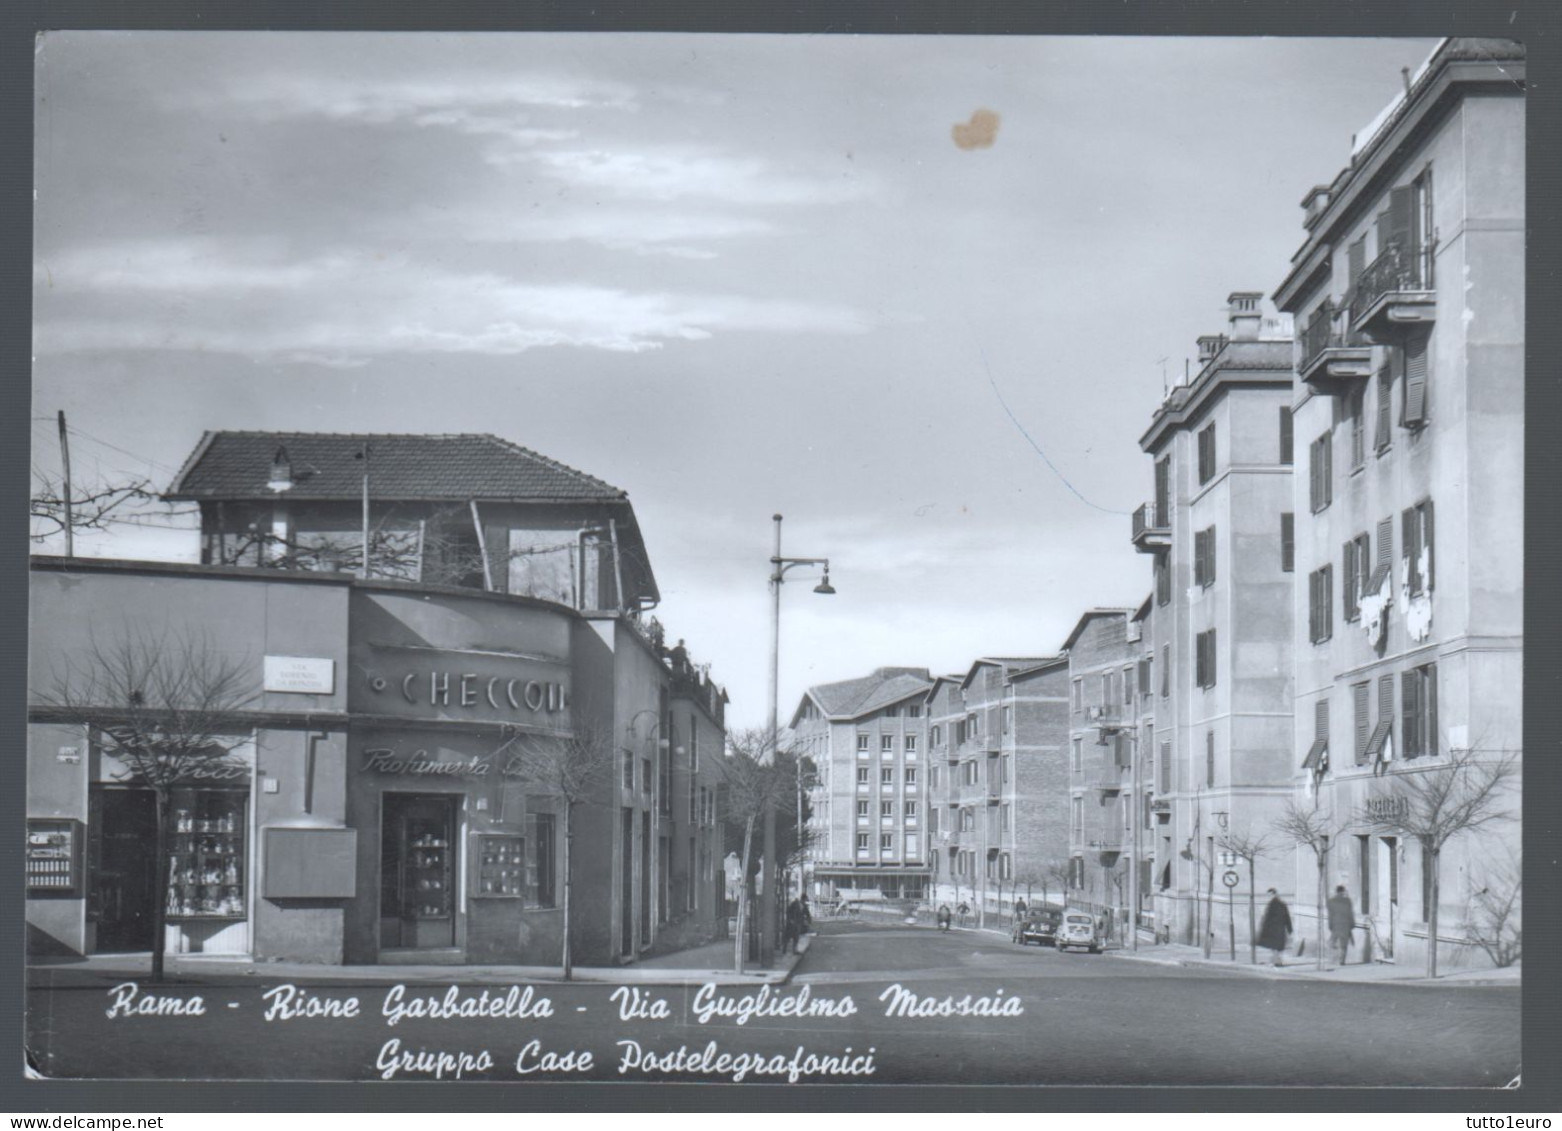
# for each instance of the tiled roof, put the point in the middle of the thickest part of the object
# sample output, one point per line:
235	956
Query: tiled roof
1088	616
326	465
853	697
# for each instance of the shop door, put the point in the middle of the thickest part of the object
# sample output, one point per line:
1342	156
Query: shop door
418	872
626	873
124	880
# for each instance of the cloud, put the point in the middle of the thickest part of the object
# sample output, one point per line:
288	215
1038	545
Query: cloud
676	173
338	309
642	232
471	103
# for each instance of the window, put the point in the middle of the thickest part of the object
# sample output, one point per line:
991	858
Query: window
1380	741
967	820
1163	770
1165	670
862	810
1163	491
1287	442
1005	867
911	744
936	736
913	710
887	743
973	725
1079	695
1320	466
1128	687
1079	754
1360	693
1418	698
862	742
1146	676
1320	609
1416	546
862	842
1287	542
887	810
1385	407
1355	574
1207	455
911	844
1317	759
886	842
1204	658
1106	689
543	842
629	769
1356	413
969	772
862	775
1374	583
1003	764
932	820
1204	557
1008	720
1209	758
1413	414
1079	819
1162	580
911	810
887	776
1003	818
911	775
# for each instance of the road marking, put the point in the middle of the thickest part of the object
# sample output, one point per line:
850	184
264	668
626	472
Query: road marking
580	1009
233	1005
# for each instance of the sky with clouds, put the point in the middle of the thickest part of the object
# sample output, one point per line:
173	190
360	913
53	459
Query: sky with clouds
733	275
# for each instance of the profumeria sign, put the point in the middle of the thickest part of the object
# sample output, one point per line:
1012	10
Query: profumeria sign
439	763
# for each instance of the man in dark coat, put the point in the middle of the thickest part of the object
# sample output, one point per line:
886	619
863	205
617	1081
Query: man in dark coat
1275	931
792	929
1342	921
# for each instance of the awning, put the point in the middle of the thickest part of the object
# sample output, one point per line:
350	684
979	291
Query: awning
1317	758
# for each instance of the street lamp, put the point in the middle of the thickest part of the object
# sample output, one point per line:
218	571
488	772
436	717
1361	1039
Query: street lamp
767	907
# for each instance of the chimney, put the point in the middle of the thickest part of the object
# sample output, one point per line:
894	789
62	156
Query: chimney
1210	345
1245	316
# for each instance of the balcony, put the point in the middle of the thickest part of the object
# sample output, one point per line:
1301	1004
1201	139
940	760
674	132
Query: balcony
1331	355
1152	529
1108	776
1394	294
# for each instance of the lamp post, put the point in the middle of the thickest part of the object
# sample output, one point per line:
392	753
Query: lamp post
767	906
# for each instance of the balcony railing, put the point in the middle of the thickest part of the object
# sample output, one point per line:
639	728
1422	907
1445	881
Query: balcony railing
1151	528
1395	288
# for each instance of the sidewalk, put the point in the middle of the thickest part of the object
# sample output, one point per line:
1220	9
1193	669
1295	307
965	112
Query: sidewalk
696	966
1176	954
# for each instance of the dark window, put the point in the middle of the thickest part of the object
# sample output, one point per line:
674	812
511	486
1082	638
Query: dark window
1163	491
1204	557
1385	405
1165	670
1321	459
1287	542
1416	546
1356	257
1317	758
1209	758
1144	676
1162	580
1355	575
1360	694
1418	700
1378	742
1356	411
1286	440
1204	658
1414	413
1320	610
1163	769
862	775
544	860
1207	454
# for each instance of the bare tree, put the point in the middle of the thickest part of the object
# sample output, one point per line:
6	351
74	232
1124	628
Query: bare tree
572	770
91	507
1493	919
1315	829
1059	872
167	706
755	782
1435	805
1246	846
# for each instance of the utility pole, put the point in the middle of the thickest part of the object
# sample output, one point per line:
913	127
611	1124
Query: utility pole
70	520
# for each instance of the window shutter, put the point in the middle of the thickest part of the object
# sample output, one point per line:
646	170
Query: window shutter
1209	556
1426	540
1286	436
1210	647
1407	546
1352	580
1314	469
1321	719
1400	211
1165	670
1209	758
1410	695
1415	380
1429	710
1312	607
1385	698
1163	491
1287	542
1327	604
1385	542
1328	468
1363	724
1164	768
1385	406
1198	557
1358	259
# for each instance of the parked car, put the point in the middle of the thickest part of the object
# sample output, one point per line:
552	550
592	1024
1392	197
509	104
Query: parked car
1040	926
1079	930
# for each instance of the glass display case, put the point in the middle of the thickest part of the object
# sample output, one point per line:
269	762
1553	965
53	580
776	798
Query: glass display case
426	874
54	853
501	866
206	857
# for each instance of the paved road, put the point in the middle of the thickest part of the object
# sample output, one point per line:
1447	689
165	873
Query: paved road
1071	1019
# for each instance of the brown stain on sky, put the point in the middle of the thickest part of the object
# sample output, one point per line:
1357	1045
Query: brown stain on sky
979	133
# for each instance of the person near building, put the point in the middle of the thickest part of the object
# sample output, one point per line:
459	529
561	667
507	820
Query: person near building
943	916
964	909
1342	921
1019	911
808	916
792	928
1275	931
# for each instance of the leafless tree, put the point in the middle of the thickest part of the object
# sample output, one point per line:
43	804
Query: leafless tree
755	781
1249	847
1315	829
90	507
572	770
1059	872
1459	795
166	705
1494	917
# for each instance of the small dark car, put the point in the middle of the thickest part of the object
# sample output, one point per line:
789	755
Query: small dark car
1040	927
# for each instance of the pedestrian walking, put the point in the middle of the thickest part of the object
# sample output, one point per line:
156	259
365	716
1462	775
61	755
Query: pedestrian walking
1019	910
808	916
1275	932
1342	921
793	927
943	916
964	909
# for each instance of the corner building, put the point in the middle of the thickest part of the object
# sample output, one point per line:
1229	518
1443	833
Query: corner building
1409	412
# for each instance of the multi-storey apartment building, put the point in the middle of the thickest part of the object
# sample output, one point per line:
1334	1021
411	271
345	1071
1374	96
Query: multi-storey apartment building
1219	534
999	754
867	739
1409	287
1111	784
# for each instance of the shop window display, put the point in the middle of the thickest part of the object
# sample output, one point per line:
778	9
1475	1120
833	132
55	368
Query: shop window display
206	858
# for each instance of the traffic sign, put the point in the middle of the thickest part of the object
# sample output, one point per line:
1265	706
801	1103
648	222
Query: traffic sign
1228	859
1230	879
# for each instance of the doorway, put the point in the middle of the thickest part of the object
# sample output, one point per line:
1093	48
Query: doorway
418	871
124	874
